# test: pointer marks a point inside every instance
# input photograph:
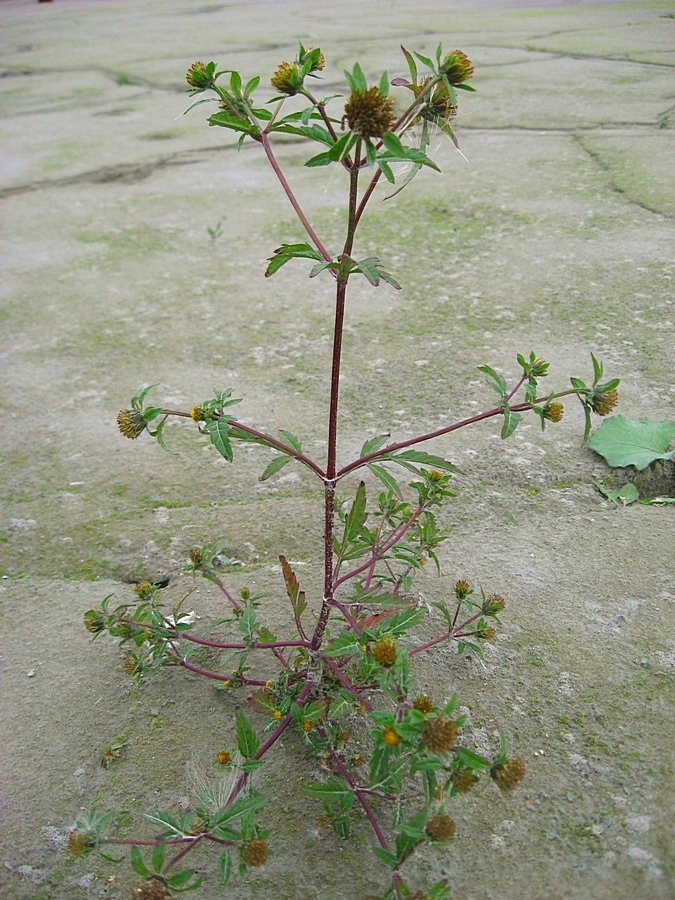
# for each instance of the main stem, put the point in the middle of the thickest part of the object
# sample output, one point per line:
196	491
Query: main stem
331	463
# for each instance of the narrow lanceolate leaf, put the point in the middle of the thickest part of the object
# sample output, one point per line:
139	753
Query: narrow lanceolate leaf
137	862
241	807
218	432
424	459
334	789
158	855
248	624
387	479
356	518
471	760
275	466
295	595
385	856
171	826
247	739
225	866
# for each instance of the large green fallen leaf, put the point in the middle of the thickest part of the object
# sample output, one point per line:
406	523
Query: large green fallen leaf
633	442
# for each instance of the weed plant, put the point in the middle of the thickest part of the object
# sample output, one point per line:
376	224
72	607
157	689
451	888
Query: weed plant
349	657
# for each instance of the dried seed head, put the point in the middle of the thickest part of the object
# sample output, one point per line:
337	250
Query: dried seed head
441	828
384	651
94	621
423	704
369	113
132	666
195	556
79	843
493	604
255	852
131	423
508	774
554	412
464	781
457	67
151	889
287	79
439	104
604	402
439	734
391	737
486	634
462	590
197	76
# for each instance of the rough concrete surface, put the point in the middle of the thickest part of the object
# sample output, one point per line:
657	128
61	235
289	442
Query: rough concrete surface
555	235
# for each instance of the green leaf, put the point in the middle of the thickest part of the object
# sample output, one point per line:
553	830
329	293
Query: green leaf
356	517
180	879
168	822
137	863
385	856
225	866
633	442
341	705
286	252
511	420
387	479
247	739
343	645
373	444
425	459
334	789
410	836
158	855
277	463
625	495
470	759
411	64
291	440
402	620
242	806
321	159
218	432
496	382
248	625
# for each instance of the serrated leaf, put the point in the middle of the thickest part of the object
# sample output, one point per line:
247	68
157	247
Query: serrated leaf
275	466
291	440
247	739
425	459
218	432
248	624
373	444
342	645
341	706
633	442
334	789
387	479
511	420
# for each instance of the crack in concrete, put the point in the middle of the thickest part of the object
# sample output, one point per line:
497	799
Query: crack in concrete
605	167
